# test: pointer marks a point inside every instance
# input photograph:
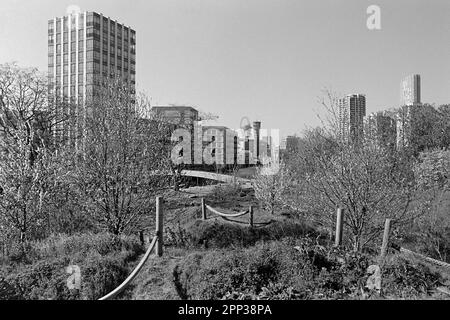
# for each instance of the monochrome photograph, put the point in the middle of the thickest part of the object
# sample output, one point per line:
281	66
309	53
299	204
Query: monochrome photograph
225	156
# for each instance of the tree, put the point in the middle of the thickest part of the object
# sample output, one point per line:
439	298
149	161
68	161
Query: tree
122	163
369	182
432	172
26	162
25	185
269	184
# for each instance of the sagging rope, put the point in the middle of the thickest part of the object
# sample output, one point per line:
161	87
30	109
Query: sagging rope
133	275
226	215
431	260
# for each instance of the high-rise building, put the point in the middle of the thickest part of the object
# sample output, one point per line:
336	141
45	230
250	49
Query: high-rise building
410	100
410	91
380	129
352	110
83	50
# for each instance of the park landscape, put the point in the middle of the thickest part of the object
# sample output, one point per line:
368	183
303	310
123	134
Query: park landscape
88	199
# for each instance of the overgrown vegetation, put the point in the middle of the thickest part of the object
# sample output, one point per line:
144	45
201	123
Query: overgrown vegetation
277	270
37	271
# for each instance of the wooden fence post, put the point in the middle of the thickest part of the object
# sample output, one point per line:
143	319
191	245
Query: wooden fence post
339	227
251	216
203	209
159	226
141	237
385	245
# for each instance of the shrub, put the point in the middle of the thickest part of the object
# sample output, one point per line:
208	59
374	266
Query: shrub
276	270
40	271
215	234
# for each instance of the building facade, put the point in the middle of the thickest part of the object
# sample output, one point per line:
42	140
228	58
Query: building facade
84	50
352	110
410	91
380	129
410	100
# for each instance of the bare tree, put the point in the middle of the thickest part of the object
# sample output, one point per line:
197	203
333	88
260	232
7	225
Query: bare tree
26	163
123	162
269	184
370	183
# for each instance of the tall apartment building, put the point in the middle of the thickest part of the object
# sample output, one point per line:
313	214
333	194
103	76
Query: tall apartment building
352	110
380	129
83	50
410	91
410	100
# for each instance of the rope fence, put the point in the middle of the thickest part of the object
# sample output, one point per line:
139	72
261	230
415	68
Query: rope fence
156	245
386	241
206	207
133	275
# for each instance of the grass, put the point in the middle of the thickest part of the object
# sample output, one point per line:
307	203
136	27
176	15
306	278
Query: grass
38	270
275	270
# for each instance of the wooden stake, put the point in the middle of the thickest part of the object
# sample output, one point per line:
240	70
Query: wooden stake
385	245
339	227
141	237
159	226
203	209
251	216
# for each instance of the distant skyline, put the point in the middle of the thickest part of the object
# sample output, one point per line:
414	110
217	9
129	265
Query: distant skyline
266	60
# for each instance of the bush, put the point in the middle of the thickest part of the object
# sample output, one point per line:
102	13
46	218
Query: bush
215	234
226	192
276	270
38	270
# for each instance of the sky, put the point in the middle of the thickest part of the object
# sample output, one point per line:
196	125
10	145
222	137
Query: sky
267	60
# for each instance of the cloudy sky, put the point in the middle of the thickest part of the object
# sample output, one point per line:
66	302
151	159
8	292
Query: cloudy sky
263	59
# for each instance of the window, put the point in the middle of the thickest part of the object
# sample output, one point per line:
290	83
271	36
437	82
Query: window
81	45
80	79
58	70
80	34
73	34
65	90
65	80
90	20
58	25
80	67
51	26
65	26
51	39
51	49
50	61
65	47
65	69
66	37
89	32
66	58
73	68
73	79
81	20
73	47
58	37
89	44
